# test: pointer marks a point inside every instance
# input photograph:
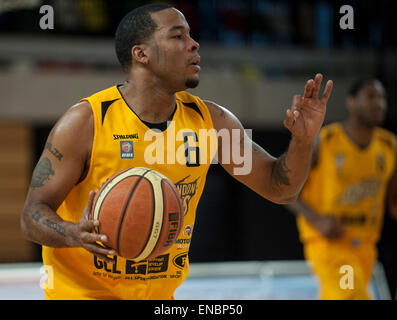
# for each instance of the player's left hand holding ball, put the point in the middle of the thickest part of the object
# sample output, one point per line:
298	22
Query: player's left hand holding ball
84	235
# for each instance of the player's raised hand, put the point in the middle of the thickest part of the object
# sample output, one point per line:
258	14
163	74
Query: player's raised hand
307	113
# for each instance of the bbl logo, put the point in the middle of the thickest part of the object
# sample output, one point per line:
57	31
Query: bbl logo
188	231
127	149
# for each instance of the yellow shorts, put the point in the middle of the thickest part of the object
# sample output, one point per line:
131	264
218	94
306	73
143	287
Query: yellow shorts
343	270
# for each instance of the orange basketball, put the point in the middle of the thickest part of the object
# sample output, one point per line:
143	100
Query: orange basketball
140	211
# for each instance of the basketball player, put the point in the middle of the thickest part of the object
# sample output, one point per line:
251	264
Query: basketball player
161	60
340	210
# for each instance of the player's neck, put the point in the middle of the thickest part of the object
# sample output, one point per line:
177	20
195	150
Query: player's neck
150	102
358	133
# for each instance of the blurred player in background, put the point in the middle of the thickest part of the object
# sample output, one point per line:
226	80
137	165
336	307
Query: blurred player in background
340	209
161	60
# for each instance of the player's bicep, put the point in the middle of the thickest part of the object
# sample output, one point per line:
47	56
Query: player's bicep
238	154
51	181
231	137
62	161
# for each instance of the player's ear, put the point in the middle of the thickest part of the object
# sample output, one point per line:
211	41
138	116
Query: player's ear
139	54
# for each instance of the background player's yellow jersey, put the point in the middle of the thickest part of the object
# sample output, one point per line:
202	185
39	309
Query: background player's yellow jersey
349	183
182	151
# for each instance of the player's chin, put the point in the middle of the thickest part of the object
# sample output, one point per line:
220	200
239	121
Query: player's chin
375	120
192	82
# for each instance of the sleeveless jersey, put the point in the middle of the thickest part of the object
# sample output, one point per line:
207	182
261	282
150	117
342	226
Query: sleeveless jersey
182	152
350	184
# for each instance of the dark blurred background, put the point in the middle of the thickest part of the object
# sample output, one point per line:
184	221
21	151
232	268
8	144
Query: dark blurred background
255	56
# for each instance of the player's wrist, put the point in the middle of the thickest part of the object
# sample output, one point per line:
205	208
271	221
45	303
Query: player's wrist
302	141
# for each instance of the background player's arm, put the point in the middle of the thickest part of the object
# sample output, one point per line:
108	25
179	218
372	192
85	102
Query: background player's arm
327	225
277	179
61	166
392	190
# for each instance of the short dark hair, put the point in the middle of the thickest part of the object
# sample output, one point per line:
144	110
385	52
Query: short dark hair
358	84
135	28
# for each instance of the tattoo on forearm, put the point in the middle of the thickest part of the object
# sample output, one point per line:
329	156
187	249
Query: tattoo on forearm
55	226
48	223
280	172
54	151
41	173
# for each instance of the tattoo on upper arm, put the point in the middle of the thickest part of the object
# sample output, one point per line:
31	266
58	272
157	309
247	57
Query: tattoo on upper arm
37	216
42	173
48	223
280	172
54	151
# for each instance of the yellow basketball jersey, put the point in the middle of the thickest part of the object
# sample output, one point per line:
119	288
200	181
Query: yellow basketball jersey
182	152
350	183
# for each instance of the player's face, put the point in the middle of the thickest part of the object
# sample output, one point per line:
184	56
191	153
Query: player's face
174	54
370	104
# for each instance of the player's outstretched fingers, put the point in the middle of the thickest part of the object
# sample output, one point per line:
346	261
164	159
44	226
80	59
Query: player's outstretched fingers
308	89
289	119
327	91
317	84
296	101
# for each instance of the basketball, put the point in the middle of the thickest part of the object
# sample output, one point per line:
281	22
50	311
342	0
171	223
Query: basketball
140	211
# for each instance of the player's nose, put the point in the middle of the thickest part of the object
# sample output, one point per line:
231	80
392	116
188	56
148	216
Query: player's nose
194	45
